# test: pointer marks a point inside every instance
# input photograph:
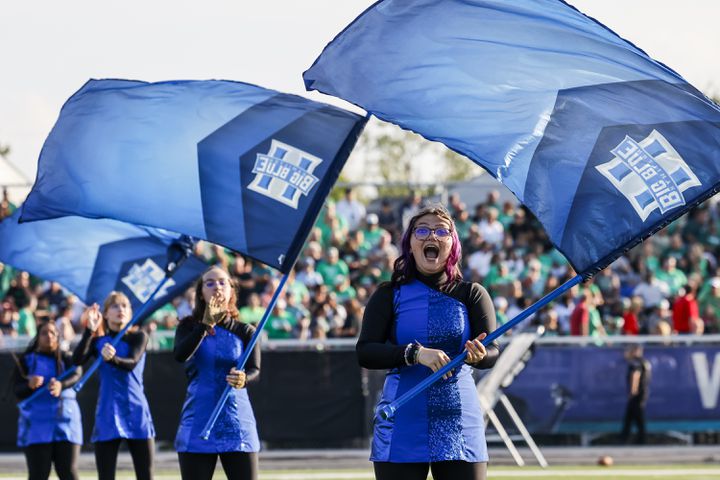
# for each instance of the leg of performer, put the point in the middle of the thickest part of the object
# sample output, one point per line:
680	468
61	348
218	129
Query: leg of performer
197	466
459	470
406	471
65	458
106	454
39	460
142	453
240	465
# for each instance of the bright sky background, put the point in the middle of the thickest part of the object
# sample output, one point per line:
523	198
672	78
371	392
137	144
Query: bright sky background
49	48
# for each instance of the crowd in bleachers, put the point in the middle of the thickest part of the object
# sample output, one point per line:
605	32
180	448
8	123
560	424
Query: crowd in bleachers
670	283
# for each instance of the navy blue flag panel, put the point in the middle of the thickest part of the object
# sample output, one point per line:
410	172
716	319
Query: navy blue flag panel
236	164
603	144
91	258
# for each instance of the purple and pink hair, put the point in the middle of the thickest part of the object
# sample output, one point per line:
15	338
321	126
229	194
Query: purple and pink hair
404	267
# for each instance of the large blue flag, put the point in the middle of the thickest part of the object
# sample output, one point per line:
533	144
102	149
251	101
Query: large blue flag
602	143
235	164
93	257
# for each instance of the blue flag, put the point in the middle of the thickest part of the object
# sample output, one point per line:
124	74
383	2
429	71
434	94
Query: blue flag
601	142
232	163
91	258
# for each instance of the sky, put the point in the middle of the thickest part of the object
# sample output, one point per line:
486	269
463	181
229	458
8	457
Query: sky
50	48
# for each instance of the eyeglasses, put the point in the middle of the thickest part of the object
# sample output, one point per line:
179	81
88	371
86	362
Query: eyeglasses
220	282
423	233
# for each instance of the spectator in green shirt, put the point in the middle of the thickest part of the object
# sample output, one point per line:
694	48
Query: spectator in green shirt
281	323
673	277
333	267
252	312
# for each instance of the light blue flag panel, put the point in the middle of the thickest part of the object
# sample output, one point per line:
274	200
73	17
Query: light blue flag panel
91	258
232	163
601	142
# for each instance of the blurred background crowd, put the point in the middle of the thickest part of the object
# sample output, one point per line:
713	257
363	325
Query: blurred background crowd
668	284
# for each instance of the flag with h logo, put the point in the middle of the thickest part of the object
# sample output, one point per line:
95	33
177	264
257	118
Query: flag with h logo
236	164
602	143
91	258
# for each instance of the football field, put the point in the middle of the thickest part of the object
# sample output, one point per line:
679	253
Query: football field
661	472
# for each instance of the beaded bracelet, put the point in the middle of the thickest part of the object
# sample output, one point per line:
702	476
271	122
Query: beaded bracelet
407	355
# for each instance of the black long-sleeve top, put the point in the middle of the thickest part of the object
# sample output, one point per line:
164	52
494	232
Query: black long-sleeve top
23	391
191	332
377	349
137	340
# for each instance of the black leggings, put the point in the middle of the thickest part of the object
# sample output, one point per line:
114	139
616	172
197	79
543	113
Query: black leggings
141	451
41	456
450	470
201	466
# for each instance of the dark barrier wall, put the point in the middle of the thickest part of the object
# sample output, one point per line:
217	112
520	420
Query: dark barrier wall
304	399
315	398
583	389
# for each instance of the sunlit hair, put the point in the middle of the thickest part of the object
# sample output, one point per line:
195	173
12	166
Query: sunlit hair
404	268
112	298
200	303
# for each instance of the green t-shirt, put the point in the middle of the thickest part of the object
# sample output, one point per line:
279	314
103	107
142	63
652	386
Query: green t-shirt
330	272
280	325
675	280
250	314
26	323
346	294
6	277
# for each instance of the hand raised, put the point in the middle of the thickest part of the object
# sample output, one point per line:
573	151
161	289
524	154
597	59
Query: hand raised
92	317
215	309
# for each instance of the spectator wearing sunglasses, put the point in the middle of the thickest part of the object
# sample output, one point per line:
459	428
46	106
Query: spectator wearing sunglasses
412	326
209	343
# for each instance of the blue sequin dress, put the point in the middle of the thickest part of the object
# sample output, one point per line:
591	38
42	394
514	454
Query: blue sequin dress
445	422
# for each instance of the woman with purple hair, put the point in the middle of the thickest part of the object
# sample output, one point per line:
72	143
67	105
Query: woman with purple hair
412	326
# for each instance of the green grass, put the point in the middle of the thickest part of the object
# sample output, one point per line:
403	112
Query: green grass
582	472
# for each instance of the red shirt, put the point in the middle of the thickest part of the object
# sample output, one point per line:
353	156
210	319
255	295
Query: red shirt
630	326
580	319
685	309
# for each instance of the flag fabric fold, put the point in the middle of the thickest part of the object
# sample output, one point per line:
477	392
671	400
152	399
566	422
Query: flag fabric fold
91	258
233	163
604	144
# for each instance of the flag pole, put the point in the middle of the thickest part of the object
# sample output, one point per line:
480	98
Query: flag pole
389	410
247	350
178	252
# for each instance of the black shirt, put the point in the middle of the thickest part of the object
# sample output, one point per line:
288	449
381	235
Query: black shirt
191	332
376	346
137	341
643	367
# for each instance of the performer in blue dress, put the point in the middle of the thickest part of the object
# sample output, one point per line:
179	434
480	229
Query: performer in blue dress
122	410
49	427
413	325
210	342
